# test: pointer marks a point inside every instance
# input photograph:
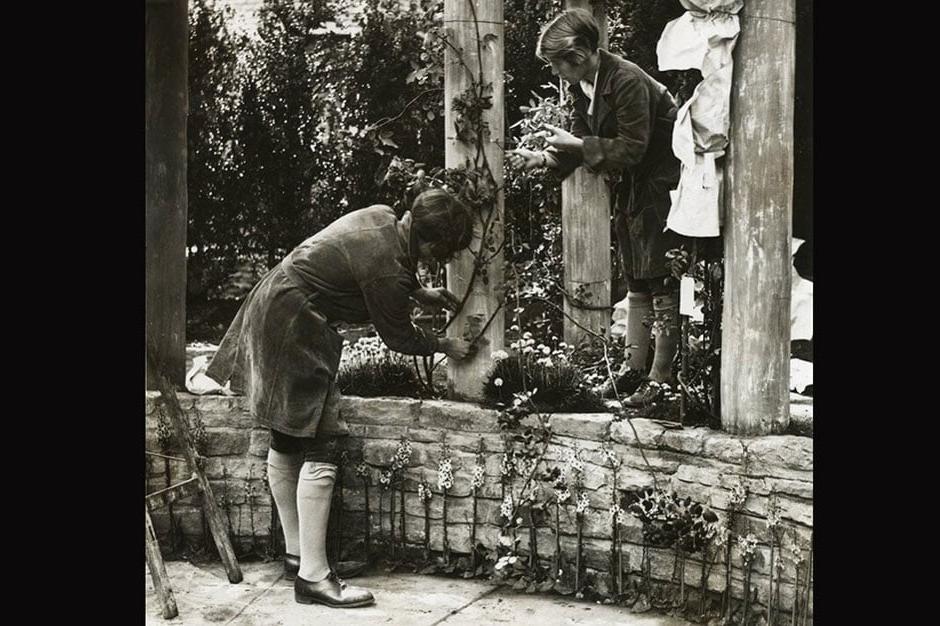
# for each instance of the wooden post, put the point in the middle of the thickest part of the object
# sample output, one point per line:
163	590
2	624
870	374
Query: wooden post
482	308
585	232
755	346
214	517
161	581
167	43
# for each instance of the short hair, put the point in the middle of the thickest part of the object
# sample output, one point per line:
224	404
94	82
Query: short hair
572	36
443	221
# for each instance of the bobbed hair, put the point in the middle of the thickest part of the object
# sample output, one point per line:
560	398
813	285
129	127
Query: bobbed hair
443	221
573	36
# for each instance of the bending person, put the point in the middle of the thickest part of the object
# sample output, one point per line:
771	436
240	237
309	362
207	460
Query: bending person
282	351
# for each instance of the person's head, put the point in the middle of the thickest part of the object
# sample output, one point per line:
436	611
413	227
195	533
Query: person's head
444	225
568	43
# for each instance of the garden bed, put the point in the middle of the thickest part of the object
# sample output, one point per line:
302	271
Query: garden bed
742	479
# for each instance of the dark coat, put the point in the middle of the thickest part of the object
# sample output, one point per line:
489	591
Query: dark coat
630	136
282	350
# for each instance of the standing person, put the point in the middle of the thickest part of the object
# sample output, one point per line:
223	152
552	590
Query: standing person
622	124
282	351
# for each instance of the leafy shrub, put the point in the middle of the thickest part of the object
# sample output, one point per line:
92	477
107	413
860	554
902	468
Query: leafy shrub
369	369
558	386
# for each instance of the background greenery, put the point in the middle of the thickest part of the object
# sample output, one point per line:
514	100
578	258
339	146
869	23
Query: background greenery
296	126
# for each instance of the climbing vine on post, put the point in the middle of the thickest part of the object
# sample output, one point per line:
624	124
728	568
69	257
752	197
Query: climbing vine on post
474	114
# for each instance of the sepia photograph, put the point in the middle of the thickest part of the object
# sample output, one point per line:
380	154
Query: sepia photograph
479	311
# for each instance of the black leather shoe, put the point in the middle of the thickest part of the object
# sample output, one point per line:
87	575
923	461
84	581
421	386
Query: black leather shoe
291	566
331	591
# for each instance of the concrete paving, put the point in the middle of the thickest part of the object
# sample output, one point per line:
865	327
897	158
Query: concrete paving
204	596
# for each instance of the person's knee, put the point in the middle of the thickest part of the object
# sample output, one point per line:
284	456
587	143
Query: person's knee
639	299
666	302
638	286
322	473
288	444
322	450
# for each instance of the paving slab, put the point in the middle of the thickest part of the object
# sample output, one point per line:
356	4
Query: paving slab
264	598
204	596
505	606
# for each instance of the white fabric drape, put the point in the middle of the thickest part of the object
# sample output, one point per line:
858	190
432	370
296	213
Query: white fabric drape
703	38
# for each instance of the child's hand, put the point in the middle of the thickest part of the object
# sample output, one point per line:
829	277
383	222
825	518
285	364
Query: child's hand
561	138
525	159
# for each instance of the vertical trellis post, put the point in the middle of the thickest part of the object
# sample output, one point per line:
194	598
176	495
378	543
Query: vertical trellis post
167	102
463	19
755	347
585	228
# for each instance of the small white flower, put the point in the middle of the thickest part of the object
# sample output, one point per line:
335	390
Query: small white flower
583	502
500	354
506	507
498	382
477	480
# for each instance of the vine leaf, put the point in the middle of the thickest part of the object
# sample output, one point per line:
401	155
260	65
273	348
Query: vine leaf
386	138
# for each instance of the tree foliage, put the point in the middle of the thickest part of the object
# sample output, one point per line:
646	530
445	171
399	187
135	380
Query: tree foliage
313	116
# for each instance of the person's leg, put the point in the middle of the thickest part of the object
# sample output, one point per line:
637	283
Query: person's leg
285	458
665	330
314	496
637	336
316	581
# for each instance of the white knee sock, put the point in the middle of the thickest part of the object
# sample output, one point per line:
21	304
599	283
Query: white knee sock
314	493
667	337
283	471
637	338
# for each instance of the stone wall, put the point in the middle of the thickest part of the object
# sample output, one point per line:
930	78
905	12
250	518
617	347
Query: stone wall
697	462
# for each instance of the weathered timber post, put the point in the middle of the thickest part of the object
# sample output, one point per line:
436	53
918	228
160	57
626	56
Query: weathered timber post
167	43
483	307
585	232
755	346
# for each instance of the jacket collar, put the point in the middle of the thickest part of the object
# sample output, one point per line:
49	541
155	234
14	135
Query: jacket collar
408	239
604	88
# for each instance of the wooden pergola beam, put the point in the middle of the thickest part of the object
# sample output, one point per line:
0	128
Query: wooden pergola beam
755	346
167	43
483	307
585	233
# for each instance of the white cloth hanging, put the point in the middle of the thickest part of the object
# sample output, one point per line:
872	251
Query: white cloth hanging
703	38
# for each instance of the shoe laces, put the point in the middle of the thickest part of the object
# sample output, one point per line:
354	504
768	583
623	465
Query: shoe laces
335	577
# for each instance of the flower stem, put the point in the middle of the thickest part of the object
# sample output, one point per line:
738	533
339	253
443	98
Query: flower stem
402	513
368	522
427	531
473	534
446	543
577	564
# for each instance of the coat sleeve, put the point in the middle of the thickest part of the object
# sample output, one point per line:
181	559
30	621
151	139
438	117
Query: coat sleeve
389	306
634	125
569	161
